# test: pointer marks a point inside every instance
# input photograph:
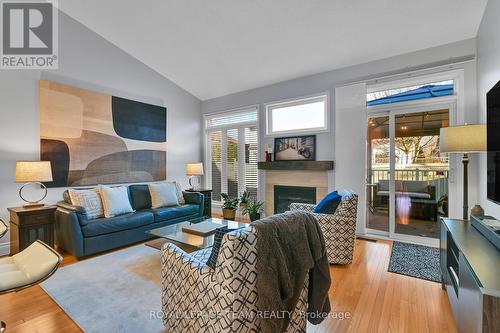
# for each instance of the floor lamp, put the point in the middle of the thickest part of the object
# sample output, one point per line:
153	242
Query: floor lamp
463	139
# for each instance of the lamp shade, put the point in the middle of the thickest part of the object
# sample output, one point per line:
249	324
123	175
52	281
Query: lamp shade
194	169
33	171
462	139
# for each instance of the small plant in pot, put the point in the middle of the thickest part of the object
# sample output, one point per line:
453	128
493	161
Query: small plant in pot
229	206
254	209
245	198
443	204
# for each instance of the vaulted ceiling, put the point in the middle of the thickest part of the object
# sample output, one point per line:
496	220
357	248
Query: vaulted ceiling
218	47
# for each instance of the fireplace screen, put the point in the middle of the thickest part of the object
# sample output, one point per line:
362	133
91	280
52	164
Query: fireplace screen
285	195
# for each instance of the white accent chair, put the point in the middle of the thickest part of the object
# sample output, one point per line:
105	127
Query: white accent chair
29	267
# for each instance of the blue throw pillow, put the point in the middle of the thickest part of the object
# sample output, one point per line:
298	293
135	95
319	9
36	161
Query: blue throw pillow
219	234
329	203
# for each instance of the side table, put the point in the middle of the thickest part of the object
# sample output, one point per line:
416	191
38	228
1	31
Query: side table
30	224
208	200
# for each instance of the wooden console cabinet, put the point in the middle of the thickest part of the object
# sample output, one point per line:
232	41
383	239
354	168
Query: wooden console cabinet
470	267
30	224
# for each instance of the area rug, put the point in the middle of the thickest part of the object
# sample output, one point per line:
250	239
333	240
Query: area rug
117	292
415	260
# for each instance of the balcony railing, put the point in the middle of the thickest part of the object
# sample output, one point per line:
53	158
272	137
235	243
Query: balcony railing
436	177
409	174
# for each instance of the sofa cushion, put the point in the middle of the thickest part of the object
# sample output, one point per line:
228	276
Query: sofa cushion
329	203
415	186
140	198
66	197
180	195
88	199
163	194
169	213
115	200
118	223
383	185
417	195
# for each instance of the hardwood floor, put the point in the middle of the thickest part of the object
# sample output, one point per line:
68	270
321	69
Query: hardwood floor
32	310
369	298
379	301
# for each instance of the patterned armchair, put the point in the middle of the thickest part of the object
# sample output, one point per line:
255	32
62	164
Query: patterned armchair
196	298
339	229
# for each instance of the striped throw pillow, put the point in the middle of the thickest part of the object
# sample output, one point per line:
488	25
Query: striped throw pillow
180	196
88	199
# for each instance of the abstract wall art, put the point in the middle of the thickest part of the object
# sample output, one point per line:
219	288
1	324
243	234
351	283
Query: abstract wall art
95	138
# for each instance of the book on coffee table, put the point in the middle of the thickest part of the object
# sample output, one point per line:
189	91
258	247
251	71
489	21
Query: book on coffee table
203	229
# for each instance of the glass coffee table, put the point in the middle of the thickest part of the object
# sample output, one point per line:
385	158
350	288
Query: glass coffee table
187	241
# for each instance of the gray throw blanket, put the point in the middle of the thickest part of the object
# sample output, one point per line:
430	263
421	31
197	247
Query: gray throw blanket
289	246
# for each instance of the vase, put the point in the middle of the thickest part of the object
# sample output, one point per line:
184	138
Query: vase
229	213
477	210
254	216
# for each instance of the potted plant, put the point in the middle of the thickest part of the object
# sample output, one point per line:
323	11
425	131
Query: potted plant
443	204
253	209
229	206
245	198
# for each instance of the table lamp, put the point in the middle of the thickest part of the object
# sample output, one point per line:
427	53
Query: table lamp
33	172
194	171
463	139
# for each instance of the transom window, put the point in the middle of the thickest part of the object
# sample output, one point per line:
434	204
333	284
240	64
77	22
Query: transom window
410	93
300	115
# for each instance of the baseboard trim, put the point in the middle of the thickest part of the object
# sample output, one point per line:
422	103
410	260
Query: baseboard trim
367	238
4	249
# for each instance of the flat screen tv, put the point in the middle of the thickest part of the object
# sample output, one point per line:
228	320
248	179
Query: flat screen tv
493	143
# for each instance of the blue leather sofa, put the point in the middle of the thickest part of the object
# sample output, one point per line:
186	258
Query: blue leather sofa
78	235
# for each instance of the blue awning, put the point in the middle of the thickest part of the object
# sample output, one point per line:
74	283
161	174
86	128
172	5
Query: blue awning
429	91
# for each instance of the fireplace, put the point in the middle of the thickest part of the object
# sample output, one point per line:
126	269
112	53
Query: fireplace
285	195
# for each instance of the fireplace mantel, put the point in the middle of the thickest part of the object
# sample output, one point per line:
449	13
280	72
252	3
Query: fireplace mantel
297	165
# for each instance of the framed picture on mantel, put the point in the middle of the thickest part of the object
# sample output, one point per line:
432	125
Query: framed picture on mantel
295	148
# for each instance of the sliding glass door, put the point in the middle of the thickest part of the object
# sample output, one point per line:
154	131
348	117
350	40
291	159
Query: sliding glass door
378	174
421	173
407	176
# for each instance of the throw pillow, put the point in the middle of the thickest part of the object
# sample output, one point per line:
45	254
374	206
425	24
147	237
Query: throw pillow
66	197
139	196
329	203
88	199
219	235
163	195
115	200
179	193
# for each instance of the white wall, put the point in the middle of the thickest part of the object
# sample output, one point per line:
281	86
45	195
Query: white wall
328	81
88	61
488	74
350	169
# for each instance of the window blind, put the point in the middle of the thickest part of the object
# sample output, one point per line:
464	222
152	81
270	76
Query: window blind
233	153
232	118
216	163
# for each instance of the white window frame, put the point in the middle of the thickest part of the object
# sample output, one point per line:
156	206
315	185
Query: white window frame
269	107
241	147
455	104
457	75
